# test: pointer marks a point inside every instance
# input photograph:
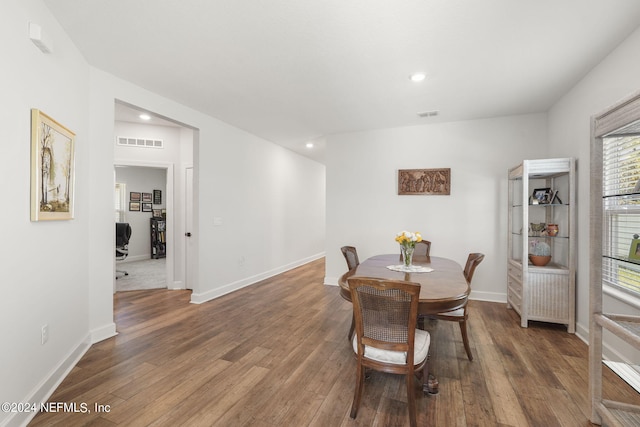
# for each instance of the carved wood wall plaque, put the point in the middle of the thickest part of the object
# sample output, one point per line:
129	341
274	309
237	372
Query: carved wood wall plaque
424	181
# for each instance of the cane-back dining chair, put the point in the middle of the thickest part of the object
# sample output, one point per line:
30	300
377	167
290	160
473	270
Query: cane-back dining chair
422	249
462	314
351	256
386	339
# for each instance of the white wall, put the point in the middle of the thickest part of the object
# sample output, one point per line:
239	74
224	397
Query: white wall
265	197
271	202
45	273
365	210
613	79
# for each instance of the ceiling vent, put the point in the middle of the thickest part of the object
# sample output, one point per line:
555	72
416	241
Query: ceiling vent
428	113
139	142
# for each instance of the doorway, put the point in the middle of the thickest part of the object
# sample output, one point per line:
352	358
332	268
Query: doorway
141	203
160	143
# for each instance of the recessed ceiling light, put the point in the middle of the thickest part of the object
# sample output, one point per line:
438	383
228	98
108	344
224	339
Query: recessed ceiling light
144	116
418	77
309	144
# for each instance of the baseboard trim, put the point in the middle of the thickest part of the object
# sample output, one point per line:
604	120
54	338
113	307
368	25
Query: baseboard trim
488	296
103	333
199	298
629	373
47	386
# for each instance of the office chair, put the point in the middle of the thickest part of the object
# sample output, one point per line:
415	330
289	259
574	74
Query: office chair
123	234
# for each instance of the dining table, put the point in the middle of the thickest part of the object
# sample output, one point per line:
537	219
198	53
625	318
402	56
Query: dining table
443	286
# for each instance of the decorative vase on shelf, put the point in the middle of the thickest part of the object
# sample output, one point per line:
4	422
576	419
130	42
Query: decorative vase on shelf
539	260
540	253
552	230
407	255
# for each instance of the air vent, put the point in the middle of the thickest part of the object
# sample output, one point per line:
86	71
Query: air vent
139	142
428	113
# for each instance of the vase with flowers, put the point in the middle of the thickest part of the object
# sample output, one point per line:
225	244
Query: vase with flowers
407	241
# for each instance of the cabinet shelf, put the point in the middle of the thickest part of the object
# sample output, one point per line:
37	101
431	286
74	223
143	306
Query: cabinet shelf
627	327
622	259
623	196
619	414
532	236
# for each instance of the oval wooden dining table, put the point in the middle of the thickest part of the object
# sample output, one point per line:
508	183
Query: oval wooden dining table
441	290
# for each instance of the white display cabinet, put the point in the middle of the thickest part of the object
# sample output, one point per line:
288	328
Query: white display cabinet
542	212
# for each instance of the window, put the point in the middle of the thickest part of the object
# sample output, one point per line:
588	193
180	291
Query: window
621	213
120	201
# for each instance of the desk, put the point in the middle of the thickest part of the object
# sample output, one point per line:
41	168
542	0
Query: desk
443	289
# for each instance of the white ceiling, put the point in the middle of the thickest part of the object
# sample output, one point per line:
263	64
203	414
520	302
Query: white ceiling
292	71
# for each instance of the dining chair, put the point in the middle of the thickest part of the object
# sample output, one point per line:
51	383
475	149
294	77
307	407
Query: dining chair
423	248
462	314
351	256
386	338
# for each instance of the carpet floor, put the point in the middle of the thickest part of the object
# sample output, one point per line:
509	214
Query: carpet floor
145	274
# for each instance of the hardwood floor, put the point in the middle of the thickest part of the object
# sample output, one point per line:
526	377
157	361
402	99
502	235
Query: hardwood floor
276	354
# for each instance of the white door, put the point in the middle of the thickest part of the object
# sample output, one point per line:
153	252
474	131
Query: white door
188	229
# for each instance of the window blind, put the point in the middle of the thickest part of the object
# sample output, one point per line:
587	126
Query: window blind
621	216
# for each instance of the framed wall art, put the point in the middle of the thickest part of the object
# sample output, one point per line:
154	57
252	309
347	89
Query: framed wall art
157	197
134	196
146	197
424	181
134	206
146	207
52	169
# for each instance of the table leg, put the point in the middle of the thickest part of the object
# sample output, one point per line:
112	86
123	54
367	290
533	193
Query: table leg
429	380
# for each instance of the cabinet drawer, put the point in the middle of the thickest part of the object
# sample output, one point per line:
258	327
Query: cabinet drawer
514	300
514	286
515	272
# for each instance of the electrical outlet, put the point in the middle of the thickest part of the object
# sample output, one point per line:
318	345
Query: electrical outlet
45	334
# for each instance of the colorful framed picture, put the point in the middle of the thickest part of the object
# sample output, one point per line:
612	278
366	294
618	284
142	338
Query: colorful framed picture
134	206
52	169
157	213
146	197
135	196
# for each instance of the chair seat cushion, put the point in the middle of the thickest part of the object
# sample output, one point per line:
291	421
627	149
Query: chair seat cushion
420	350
